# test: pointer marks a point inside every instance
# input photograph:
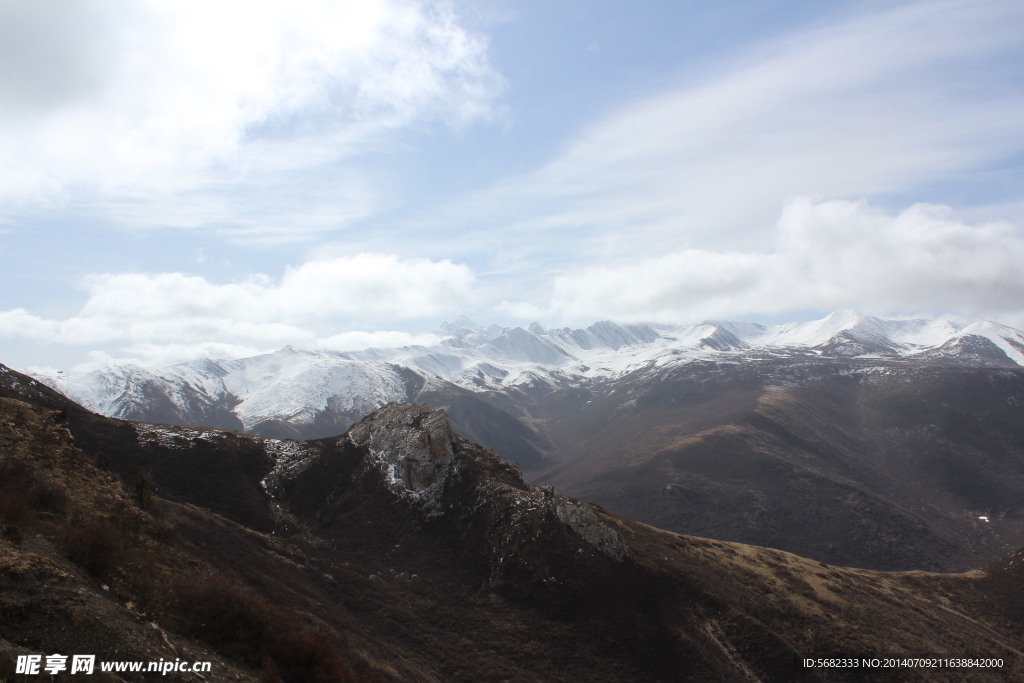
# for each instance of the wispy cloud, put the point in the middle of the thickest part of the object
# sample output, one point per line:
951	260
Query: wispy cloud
879	103
182	115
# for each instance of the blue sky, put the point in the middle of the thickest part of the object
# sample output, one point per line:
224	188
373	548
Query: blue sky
220	179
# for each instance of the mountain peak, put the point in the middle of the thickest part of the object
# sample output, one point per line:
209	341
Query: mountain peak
460	324
846	317
1007	340
463	332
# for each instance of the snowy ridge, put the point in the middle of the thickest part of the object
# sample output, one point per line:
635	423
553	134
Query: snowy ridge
290	457
297	386
1009	340
290	385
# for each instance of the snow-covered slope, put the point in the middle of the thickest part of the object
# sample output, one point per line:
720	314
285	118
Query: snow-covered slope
289	385
301	387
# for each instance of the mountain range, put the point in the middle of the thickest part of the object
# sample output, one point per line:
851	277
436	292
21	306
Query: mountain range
314	391
883	444
400	550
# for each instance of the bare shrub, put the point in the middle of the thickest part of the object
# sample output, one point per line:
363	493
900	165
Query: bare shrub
304	654
15	507
130	520
49	497
269	672
143	490
15	504
246	626
96	545
144	579
13	534
162	530
13	472
22	495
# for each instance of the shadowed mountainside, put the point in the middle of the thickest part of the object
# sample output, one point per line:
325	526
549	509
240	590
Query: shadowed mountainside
879	465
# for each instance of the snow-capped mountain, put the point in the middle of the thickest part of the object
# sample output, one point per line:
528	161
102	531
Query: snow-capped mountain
321	392
289	385
477	357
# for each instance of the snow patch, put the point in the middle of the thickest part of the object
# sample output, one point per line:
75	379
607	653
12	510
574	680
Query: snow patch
172	436
290	458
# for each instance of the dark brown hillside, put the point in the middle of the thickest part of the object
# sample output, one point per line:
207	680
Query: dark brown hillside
562	590
84	571
221	473
892	466
401	551
888	464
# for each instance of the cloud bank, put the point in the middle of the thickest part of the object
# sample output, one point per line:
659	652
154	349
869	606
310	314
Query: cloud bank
177	316
827	255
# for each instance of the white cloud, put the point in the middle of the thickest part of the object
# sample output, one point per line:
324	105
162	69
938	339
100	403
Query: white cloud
171	315
677	286
925	258
143	297
828	255
374	287
20	323
163	97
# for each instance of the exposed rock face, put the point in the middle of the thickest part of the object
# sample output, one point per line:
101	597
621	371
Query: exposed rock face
411	442
422	459
580	518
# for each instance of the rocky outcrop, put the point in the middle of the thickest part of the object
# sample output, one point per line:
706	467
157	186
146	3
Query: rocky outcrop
422	460
581	518
411	442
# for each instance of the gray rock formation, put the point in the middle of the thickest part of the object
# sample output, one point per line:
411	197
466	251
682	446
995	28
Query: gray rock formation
411	442
418	453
